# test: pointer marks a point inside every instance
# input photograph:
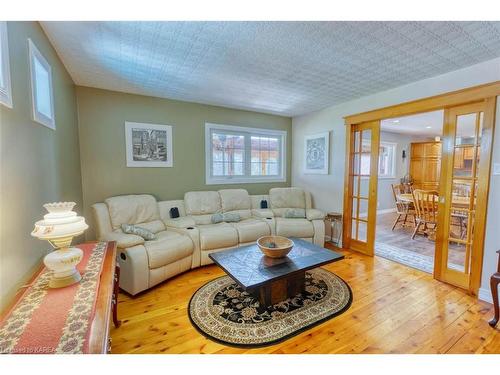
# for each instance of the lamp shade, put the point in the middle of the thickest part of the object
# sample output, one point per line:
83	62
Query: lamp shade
59	224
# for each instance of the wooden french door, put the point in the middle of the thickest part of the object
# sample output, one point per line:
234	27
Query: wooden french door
361	198
466	158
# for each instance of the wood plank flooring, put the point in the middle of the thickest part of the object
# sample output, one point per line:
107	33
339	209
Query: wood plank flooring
396	309
401	237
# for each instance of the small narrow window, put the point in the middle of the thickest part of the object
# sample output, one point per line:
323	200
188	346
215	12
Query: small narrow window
5	85
42	94
386	160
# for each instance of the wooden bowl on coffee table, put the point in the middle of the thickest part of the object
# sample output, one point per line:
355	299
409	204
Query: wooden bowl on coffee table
282	246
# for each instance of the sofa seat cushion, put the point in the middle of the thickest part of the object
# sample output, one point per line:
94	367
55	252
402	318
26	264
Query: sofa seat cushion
251	229
215	236
294	227
168	247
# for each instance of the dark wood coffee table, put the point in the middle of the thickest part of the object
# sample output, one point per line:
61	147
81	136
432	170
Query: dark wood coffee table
273	280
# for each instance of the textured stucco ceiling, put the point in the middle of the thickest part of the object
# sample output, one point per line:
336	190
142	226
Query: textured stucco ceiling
287	68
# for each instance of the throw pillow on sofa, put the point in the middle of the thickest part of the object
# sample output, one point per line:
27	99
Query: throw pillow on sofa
294	213
133	229
217	218
231	217
227	217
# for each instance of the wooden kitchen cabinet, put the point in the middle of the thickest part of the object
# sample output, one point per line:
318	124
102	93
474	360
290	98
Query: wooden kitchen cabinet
425	165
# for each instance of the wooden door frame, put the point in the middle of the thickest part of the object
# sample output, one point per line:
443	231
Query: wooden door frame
487	93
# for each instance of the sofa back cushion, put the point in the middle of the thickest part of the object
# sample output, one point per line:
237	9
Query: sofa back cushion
236	201
283	198
202	202
134	209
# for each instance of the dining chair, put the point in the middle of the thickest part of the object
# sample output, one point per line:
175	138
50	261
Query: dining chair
459	213
426	210
403	209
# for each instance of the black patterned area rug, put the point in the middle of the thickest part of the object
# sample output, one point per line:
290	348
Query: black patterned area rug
222	311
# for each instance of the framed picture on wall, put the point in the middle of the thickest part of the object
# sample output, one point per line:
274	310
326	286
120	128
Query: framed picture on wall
148	145
316	153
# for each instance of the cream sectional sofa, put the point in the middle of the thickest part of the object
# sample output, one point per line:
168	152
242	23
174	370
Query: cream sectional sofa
185	242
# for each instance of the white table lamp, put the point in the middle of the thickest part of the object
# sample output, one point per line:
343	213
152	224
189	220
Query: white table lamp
59	227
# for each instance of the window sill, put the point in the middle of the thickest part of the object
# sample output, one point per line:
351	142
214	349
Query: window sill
226	181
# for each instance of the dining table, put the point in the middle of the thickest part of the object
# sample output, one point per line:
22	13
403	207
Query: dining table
457	200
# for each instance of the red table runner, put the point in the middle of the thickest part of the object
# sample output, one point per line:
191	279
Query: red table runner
49	321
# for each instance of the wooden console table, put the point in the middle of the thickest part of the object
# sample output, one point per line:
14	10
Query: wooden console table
106	304
494	281
74	319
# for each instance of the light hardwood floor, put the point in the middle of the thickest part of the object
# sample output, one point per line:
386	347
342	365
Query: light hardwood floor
401	237
396	309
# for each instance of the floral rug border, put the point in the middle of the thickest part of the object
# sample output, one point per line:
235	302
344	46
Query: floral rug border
273	342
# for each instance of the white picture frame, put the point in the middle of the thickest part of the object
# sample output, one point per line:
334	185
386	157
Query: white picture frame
148	145
41	84
317	153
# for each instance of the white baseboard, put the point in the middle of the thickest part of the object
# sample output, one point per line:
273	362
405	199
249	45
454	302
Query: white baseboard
379	212
485	295
386	211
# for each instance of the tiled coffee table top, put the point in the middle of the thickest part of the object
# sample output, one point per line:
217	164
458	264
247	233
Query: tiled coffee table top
250	268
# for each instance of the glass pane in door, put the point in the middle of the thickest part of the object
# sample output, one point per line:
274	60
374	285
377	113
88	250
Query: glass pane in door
355	185
355	208
354	229
366	140
363	208
362	231
463	161
466	129
462	198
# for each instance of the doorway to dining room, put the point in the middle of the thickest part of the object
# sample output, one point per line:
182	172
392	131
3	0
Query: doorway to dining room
450	204
409	158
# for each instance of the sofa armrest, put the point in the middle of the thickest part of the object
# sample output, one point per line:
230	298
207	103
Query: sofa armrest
101	219
180	222
262	213
314	214
123	240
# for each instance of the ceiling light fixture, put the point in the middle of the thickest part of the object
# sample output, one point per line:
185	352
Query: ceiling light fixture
395	121
428	127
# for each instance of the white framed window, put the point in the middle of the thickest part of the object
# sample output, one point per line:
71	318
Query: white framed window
236	154
5	83
386	160
42	92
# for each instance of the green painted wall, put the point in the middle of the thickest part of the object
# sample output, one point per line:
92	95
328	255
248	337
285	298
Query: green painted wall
38	165
102	115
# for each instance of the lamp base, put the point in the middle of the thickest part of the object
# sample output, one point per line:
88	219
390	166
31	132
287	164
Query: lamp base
61	282
62	263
